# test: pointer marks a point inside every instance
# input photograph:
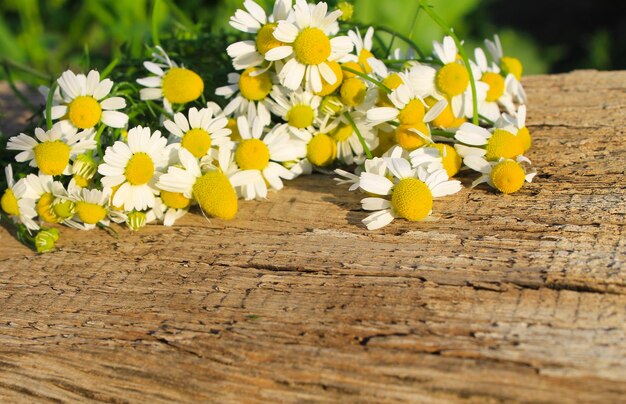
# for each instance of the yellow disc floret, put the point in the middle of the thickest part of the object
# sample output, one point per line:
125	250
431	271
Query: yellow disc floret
524	135
215	195
503	144
412	113
311	46
496	85
84	112
347	10
252	154
411	199
9	203
452	79
255	88
197	141
182	85
353	92
450	158
512	65
363	56
342	132
408	139
508	176
90	213
321	150
175	200
139	169
330	88
392	82
44	208
52	157
301	116
265	40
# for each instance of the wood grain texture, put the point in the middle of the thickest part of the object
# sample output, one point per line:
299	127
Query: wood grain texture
503	298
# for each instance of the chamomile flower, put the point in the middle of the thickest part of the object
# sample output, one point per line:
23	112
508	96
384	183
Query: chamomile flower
170	206
511	67
212	189
299	109
133	166
501	143
254	20
411	192
308	44
249	92
349	147
92	208
264	154
437	156
50	196
519	122
52	151
15	203
506	175
82	102
173	84
498	93
199	131
363	47
321	151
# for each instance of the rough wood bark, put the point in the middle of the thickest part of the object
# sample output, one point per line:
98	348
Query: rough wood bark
504	298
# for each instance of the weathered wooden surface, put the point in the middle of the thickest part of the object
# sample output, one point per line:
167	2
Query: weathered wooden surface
504	298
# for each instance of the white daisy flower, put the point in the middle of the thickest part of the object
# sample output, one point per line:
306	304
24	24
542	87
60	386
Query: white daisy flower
264	154
363	48
437	156
52	151
501	143
309	47
511	67
132	168
16	204
92	208
81	102
212	190
519	122
173	84
299	109
249	92
411	191
505	175
254	20
498	93
199	132
51	200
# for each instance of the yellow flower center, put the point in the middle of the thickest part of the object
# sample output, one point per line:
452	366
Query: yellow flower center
90	213
311	46
353	92
9	203
446	118
81	181
363	56
524	135
392	82
215	195
452	79
234	129
139	169
182	85
496	85
450	158
503	144
347	10
353	66
321	150
52	157
512	65
175	200
44	208
255	88
301	116
342	132
411	199
330	88
197	142
252	154
412	113
508	176
265	40
64	209
409	140
84	112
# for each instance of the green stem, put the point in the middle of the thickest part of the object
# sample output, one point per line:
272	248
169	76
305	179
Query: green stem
155	25
404	38
368	153
449	31
98	136
368	78
443	133
107	70
53	87
26	69
484	118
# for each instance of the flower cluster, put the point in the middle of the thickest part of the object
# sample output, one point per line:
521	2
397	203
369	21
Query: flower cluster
310	91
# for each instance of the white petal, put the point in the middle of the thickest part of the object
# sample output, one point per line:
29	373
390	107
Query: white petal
375	204
375	184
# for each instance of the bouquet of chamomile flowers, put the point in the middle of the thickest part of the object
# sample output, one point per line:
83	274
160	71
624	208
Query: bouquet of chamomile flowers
309	91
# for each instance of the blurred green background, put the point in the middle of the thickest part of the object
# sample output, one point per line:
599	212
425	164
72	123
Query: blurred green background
548	36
